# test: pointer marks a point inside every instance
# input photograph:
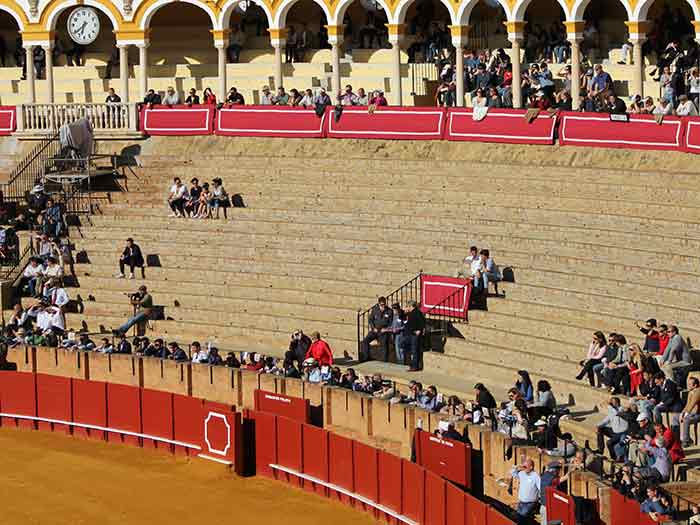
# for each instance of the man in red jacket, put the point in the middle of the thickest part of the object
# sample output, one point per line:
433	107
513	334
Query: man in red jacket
320	350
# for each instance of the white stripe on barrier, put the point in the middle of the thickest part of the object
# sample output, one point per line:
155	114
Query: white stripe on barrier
219	127
690	125
676	123
449	285
337	488
211	458
199	110
103	429
389	112
493	136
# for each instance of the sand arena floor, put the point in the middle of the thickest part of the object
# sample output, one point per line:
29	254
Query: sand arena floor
52	479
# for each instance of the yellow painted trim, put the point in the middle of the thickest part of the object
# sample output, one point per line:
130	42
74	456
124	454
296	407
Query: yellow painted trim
132	34
220	34
515	27
396	29
278	34
51	7
575	27
37	33
17	10
336	30
640	28
459	31
696	25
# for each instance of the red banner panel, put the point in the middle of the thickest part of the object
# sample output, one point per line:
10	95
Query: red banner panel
445	457
123	413
315	456
474	510
54	401
413	492
641	132
222	434
366	470
8	120
454	506
392	123
187	423
692	134
269	121
560	506
435	506
445	295
265	443
89	407
18	396
289	448
500	125
286	406
157	412
340	464
178	120
390	475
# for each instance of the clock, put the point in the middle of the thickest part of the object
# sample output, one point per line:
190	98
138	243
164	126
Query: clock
83	25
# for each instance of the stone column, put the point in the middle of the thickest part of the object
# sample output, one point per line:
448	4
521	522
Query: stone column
221	52
459	40
335	39
124	71
637	35
278	39
515	35
396	32
574	33
143	68
31	83
48	52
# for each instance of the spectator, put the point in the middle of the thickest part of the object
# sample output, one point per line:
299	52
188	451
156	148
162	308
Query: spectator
663	107
380	320
652	503
347	97
676	356
429	399
320	351
143	301
686	107
614	426
447	430
157	349
635	366
651	335
152	99
378	99
123	346
666	79
615	105
209	97
112	97
545	402
52	218
524	386
615	373
197	353
177	198
19	318
362	98
266	98
601	82
133	258
494	99
549	478
176	353
192	202
30	277
694	86
235	98
307	101
232	361
219	197
105	347
56	293
691	412
294	97
672	443
528	490
669	397
488	272
479	99
348	379
235	44
321	100
594	357
202	210
471	264
290	370
298	347
660	470
214	358
397	325
192	98
171	97
290	49
281	99
413	331
51	271
483	398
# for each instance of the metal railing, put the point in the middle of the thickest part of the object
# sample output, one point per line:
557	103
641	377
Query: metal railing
46	118
452	309
28	171
11	270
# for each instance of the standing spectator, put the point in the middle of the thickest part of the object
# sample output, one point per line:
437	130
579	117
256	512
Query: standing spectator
131	257
298	347
694	84
112	97
614	426
413	332
177	198
528	491
396	328
192	98
550	478
320	351
209	97
235	44
380	319
52	219
290	50
691	412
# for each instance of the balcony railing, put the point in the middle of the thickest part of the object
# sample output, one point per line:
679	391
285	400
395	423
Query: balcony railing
43	119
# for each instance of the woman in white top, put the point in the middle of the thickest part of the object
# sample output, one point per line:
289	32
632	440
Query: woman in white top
686	108
663	107
177	197
219	197
479	100
694	85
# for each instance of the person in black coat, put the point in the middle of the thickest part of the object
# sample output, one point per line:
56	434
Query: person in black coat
414	329
298	347
131	257
669	397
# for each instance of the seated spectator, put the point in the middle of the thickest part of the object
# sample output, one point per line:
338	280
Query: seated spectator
143	302
524	386
635	366
214	358
85	343
219	197
594	357
615	105
471	264
209	97
652	503
307	101
56	293
176	353
362	98
691	412
686	107
294	97
348	379
133	258
157	349
321	100
20	319
235	98
601	82
198	354
545	403
298	347
429	399
105	347
651	335
266	97
320	351
660	470
673	444
378	99
454	407
281	98
52	271
676	356
484	401
192	202
614	426
663	107
380	320
203	211
171	98
123	346
177	198
192	98
669	397
30	277
447	430
347	97
479	99
152	98
615	372
311	371
232	361
290	370
493	99
488	272
540	101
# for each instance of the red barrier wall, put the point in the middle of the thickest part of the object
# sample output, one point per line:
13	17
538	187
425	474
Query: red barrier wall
124	413
269	121
560	506
221	435
435	504
178	120
188	415
641	132
692	134
390	472
455	505
290	447
413	491
281	405
54	400
89	407
340	464
18	396
265	443
315	456
158	418
366	471
447	458
437	289
500	125
392	123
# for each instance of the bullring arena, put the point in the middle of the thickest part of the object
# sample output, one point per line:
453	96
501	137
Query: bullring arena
412	262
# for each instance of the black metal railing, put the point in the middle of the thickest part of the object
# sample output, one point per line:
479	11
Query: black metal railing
12	269
29	171
442	316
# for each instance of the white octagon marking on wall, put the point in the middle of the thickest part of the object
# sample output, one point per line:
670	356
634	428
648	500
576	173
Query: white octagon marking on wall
206	433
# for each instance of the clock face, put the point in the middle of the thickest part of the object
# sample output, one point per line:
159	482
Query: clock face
83	25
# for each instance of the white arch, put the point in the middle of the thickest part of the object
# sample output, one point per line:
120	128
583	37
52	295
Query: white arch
403	5
151	10
53	17
580	6
641	10
466	8
280	19
228	7
14	15
522	5
344	4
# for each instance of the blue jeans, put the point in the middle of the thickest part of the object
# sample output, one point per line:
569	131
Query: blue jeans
525	511
138	318
413	345
398	347
487	277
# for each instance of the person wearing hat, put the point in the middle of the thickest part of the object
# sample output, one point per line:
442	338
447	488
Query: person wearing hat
131	257
320	351
549	478
143	302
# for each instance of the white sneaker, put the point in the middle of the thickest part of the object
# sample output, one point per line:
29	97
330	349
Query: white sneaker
173	215
131	276
119	276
